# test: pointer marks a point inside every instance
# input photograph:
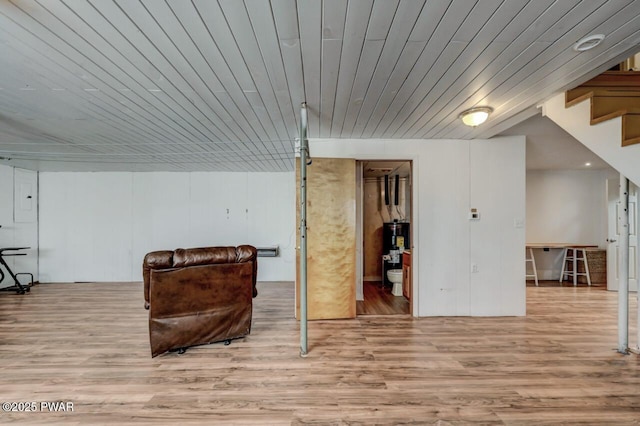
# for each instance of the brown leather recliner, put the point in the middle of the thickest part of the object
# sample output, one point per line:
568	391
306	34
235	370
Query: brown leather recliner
198	295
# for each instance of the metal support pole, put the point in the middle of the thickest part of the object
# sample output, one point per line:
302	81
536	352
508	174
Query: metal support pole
304	153
637	260
623	265
637	349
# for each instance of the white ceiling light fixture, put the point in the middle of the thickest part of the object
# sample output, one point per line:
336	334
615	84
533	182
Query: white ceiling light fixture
475	116
588	42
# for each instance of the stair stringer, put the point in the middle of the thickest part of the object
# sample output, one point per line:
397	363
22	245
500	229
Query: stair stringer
602	138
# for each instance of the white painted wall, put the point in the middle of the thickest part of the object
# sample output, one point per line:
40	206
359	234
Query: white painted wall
16	234
496	241
604	139
6	206
450	177
99	226
565	206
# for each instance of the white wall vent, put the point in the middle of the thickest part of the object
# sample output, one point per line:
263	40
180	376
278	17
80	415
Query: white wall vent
271	251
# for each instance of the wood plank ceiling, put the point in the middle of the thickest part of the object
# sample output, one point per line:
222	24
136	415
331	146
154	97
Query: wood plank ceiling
208	85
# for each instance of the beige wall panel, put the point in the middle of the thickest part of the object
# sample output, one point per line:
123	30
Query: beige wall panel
331	238
372	228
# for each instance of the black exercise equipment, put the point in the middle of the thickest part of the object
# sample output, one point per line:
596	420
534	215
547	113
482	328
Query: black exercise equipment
17	287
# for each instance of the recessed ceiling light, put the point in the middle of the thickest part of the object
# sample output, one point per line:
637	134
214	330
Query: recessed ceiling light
587	164
475	116
588	42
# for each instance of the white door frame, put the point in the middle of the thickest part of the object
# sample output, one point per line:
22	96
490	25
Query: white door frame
360	229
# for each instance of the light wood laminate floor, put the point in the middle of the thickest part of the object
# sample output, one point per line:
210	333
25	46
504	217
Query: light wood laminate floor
378	300
88	344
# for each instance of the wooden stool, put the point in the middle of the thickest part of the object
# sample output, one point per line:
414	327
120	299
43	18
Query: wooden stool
532	260
575	255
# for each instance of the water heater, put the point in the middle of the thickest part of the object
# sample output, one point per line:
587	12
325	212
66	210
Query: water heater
395	238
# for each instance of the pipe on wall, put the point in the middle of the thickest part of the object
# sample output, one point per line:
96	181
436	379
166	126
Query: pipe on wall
384	215
397	190
386	190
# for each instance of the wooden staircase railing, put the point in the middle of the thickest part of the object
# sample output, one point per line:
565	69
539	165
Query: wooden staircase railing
612	94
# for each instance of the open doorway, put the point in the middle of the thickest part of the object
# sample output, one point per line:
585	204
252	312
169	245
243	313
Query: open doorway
384	284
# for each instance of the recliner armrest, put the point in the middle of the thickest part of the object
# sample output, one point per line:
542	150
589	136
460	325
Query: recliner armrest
161	259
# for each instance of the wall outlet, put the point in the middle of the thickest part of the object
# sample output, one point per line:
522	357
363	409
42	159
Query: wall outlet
518	223
474	268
